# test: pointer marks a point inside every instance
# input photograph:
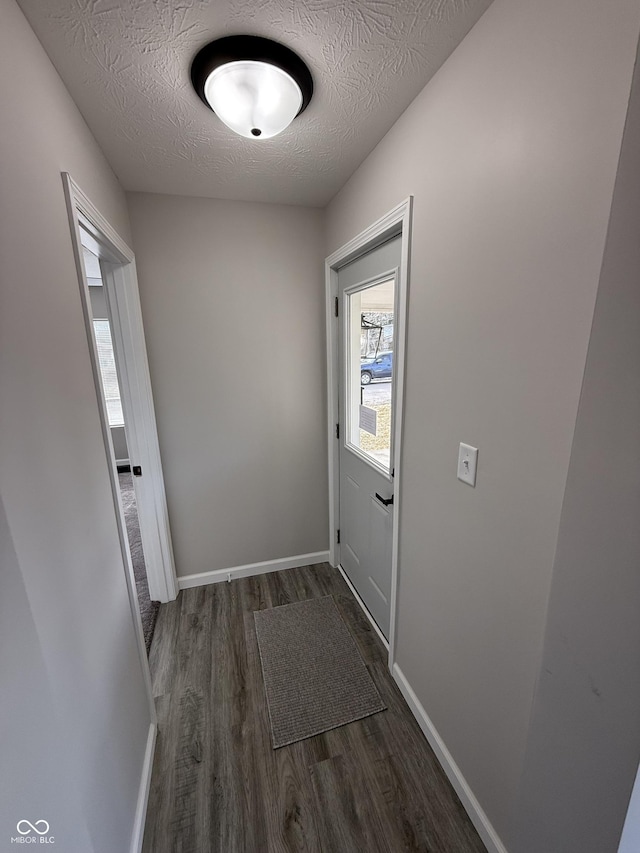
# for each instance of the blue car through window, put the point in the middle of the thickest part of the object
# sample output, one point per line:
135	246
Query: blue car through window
380	367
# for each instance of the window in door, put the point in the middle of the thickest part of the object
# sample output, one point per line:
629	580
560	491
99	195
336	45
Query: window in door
102	333
369	363
108	372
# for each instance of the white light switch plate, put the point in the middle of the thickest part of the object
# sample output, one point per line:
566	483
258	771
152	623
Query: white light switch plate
467	463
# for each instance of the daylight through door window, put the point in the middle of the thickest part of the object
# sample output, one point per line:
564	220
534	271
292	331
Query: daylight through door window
370	371
108	372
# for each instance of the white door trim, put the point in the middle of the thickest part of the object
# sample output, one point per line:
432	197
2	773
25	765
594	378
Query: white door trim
394	222
121	291
120	284
78	205
137	836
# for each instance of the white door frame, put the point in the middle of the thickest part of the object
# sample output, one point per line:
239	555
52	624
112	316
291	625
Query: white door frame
396	221
121	290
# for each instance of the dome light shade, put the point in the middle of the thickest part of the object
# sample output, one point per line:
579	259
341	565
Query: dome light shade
254	85
255	99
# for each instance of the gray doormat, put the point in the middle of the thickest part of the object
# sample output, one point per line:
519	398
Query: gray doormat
314	677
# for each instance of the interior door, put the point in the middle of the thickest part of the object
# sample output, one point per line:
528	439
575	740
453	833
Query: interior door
367	293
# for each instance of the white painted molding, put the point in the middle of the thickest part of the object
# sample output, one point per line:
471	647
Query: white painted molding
331	332
77	203
363	606
630	840
478	817
84	204
127	330
117	263
396	221
368	238
143	791
251	569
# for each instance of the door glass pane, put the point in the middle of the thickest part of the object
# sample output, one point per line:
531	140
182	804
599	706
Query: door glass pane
108	372
369	362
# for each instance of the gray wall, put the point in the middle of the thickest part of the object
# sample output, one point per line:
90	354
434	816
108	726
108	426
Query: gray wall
83	747
585	729
232	299
35	754
511	152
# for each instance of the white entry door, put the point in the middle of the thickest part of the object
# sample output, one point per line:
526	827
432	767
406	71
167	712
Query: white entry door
367	298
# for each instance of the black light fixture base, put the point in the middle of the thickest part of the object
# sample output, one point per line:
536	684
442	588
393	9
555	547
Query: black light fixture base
255	48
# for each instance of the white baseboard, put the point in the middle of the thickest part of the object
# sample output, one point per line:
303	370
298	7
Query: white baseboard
143	791
374	624
485	830
221	575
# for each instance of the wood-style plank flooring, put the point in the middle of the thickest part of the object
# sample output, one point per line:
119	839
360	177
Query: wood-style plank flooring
217	784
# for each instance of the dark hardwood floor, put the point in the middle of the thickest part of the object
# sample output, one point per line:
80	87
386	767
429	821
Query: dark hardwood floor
219	787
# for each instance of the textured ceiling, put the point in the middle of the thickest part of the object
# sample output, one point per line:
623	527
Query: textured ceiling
126	64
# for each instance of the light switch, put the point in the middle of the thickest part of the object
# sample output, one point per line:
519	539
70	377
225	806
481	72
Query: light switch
467	463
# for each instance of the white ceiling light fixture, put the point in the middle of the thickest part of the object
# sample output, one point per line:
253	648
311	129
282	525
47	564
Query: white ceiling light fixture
254	85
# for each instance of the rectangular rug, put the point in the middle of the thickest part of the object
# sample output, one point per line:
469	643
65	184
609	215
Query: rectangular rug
314	677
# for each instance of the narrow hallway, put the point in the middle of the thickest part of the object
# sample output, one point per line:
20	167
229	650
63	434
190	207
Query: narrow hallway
217	784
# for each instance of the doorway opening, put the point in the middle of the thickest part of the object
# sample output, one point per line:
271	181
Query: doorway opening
102	325
124	398
366	297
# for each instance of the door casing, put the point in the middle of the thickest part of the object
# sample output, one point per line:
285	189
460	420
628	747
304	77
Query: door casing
117	263
396	221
